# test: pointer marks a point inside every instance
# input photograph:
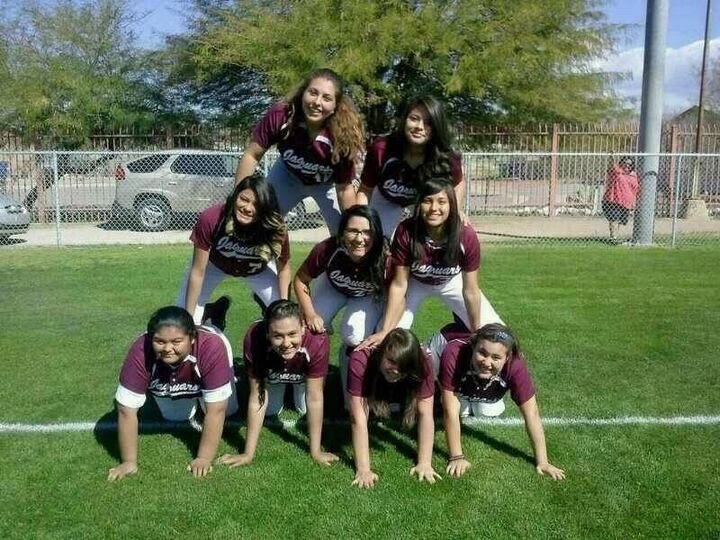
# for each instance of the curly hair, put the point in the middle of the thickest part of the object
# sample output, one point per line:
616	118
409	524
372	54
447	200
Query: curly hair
268	232
345	124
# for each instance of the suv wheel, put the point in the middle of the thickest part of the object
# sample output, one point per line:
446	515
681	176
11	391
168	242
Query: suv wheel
152	213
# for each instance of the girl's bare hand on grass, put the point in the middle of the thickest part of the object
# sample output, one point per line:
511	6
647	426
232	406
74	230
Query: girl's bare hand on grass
458	467
122	470
425	472
550	470
235	460
200	467
325	458
365	479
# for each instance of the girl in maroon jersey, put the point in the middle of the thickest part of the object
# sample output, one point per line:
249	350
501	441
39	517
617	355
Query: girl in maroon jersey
348	272
475	373
396	164
277	352
434	254
394	375
182	366
243	237
319	135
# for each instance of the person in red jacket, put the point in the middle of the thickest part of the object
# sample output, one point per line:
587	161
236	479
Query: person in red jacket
621	192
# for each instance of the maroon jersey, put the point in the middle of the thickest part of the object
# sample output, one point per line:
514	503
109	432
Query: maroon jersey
309	160
207	367
457	375
386	169
348	277
431	269
233	254
358	384
311	360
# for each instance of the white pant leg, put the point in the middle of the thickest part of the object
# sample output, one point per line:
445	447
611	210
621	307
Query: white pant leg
390	214
213	277
451	295
275	395
325	195
416	293
232	404
265	284
360	318
326	300
465	408
288	187
435	347
299	396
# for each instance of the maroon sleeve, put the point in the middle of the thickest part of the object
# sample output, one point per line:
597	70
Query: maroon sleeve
284	250
204	229
213	361
427	388
267	131
318	259
345	171
401	253
470	260
456	170
254	339
371	168
520	382
134	374
319	351
357	366
448	365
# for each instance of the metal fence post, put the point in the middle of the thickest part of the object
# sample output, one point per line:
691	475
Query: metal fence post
552	191
676	200
58	231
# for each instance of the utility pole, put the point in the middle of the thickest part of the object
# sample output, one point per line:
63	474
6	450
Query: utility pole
656	21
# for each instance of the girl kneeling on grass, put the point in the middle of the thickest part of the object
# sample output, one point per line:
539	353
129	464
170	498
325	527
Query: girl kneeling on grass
475	373
181	366
393	375
243	237
279	351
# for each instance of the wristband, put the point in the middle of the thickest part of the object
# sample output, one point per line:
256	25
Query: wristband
456	458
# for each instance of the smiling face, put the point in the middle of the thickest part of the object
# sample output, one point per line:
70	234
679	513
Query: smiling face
418	128
171	344
246	207
285	336
390	370
318	102
435	210
488	358
357	237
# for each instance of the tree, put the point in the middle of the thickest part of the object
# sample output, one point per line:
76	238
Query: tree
69	68
492	60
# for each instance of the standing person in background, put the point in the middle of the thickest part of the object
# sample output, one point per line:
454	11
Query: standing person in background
396	164
348	271
434	254
621	191
319	134
278	351
183	367
243	237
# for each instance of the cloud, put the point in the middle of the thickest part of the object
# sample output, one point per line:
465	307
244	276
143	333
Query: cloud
682	74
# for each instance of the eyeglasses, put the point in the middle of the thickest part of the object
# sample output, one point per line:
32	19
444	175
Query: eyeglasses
354	233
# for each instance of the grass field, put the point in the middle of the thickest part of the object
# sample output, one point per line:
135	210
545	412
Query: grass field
608	333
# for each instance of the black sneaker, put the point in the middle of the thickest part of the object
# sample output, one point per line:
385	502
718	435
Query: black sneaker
216	311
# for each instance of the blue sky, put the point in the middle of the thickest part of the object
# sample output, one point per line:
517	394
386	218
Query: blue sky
684	43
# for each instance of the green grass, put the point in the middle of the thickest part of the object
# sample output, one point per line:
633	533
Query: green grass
607	332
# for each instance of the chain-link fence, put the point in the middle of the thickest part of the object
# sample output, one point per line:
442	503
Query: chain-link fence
83	197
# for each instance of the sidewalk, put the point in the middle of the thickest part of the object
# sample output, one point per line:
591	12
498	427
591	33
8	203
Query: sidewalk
490	228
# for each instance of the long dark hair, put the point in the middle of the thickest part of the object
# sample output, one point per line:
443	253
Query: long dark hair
452	227
438	150
279	309
404	348
375	259
268	232
497	333
345	124
171	316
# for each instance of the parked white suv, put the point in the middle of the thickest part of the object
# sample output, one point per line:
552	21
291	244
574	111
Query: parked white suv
155	188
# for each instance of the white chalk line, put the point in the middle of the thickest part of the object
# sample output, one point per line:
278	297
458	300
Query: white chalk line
68	427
